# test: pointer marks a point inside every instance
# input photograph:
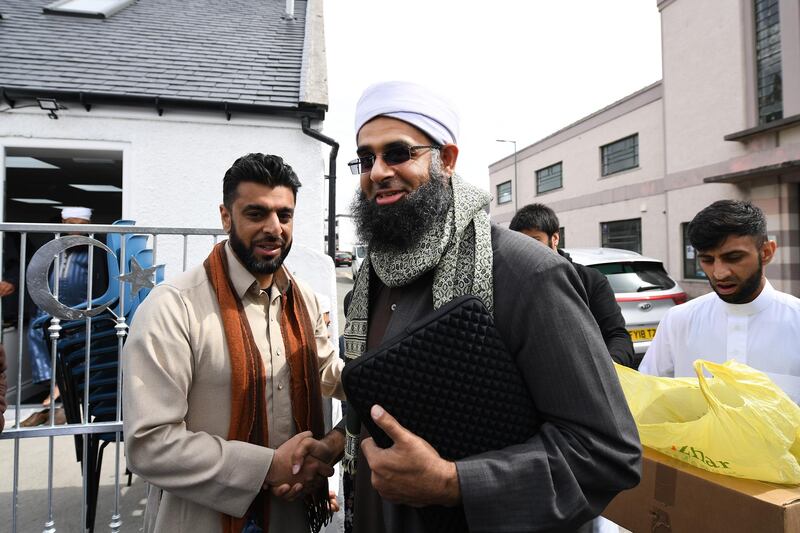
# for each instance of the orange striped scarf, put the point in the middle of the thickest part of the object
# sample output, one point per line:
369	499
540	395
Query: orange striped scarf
248	380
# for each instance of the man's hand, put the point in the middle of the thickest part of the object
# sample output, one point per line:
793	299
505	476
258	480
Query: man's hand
299	466
411	472
6	288
333	502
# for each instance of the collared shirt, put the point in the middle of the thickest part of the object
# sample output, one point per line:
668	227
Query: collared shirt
177	397
762	334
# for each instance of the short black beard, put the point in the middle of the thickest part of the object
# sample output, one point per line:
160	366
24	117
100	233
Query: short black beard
400	226
748	289
247	255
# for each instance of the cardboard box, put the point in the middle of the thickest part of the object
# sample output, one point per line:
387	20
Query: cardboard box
674	496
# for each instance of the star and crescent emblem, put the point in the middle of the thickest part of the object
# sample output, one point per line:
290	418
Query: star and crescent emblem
39	286
139	278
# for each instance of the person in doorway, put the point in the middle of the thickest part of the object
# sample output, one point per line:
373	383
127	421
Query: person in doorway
9	295
224	372
541	223
744	317
73	275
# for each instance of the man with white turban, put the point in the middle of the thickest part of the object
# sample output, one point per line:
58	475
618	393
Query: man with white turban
430	240
73	273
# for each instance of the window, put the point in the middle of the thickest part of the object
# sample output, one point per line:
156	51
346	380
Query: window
624	234
87	8
691	263
620	155
504	193
635	276
548	178
768	61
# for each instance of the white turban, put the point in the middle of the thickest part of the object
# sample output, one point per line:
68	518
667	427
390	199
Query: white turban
412	103
76	212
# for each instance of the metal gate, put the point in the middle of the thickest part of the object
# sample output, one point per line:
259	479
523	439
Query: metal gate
88	432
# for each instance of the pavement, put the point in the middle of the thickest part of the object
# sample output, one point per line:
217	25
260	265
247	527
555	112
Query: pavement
32	510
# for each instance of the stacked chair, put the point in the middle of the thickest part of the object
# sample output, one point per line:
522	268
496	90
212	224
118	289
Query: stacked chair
104	351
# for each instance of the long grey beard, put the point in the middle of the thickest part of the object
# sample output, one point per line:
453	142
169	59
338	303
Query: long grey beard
400	226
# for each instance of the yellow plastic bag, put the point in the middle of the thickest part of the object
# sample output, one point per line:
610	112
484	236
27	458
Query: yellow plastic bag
737	423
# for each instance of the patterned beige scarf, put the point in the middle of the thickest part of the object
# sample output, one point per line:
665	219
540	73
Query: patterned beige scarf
460	251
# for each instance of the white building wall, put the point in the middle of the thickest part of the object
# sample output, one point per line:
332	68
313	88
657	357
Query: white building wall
173	165
582	226
704	64
347	233
578	147
582	168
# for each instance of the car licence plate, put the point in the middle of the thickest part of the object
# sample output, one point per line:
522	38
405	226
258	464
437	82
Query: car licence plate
642	334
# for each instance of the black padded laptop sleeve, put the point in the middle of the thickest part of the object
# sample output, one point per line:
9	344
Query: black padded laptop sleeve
449	379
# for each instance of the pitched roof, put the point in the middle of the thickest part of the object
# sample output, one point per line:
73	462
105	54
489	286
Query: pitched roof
199	51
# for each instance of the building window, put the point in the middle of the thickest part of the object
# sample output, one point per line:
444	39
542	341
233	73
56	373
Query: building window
87	8
691	263
504	193
768	61
548	178
624	234
620	155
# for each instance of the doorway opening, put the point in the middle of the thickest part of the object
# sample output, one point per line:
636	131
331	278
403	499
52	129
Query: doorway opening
42	181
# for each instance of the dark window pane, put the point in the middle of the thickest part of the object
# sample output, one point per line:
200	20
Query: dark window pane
504	193
620	155
638	276
691	262
548	178
624	234
768	61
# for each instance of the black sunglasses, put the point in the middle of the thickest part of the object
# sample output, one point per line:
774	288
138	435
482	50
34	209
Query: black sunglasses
394	155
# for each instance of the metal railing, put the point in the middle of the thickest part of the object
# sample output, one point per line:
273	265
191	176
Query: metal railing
86	427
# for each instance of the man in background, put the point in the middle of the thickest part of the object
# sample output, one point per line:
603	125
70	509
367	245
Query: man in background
73	274
541	223
744	317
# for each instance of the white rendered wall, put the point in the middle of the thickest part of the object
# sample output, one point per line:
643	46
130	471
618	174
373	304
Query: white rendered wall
581	160
173	165
582	226
347	233
703	48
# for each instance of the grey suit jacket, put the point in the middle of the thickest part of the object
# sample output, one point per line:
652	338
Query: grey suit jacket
587	449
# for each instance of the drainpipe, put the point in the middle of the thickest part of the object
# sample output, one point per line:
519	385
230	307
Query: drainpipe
331	184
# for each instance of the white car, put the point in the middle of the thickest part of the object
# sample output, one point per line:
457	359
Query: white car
643	289
359	253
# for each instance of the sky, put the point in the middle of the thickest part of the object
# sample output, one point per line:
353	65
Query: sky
515	69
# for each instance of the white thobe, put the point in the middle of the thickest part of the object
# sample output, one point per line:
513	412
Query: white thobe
764	334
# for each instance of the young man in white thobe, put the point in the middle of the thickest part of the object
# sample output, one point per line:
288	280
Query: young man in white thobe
744	318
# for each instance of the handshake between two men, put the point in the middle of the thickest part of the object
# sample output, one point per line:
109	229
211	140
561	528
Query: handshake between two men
410	472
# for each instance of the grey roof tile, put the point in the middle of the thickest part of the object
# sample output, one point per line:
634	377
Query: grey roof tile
234	51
